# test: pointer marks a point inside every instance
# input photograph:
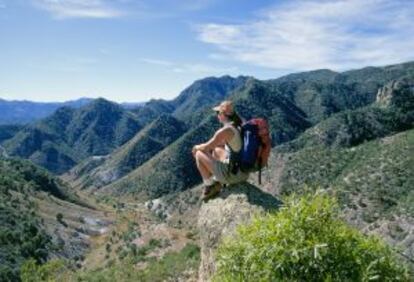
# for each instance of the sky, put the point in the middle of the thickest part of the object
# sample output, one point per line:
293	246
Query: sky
136	50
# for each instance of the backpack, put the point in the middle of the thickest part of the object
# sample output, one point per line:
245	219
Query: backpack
255	151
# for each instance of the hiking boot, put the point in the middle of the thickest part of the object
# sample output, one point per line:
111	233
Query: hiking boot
211	191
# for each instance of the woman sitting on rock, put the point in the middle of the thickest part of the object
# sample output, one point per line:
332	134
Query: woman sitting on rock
213	157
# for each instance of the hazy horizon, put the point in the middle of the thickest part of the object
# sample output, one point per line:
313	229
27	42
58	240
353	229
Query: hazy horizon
150	98
72	99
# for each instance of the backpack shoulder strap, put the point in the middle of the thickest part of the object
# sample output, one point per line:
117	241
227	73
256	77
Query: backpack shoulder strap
235	132
234	159
233	128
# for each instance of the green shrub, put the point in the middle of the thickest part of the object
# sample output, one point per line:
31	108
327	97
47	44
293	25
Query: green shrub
173	264
155	243
59	217
54	270
167	268
305	241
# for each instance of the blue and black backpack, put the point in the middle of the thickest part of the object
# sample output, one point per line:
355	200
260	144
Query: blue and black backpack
255	150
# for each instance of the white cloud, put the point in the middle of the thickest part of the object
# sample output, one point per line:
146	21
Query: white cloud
154	9
156	62
303	35
204	69
190	68
63	9
138	9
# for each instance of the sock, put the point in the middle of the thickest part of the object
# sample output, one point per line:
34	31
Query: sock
208	181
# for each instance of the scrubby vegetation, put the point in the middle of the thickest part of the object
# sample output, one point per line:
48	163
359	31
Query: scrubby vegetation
378	172
8	131
70	135
291	104
54	270
24	177
341	151
170	266
143	146
306	241
21	233
393	112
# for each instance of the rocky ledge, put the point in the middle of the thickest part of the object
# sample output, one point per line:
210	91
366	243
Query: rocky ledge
219	217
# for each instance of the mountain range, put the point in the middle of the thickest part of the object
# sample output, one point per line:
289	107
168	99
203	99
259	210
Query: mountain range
40	218
292	105
69	135
23	112
349	133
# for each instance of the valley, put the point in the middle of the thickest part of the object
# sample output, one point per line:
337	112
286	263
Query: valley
102	189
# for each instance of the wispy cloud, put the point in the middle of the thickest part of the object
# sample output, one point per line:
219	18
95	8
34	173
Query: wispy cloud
157	62
304	35
154	9
63	9
196	68
204	69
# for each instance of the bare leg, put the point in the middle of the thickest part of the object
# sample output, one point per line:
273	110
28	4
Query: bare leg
219	154
204	164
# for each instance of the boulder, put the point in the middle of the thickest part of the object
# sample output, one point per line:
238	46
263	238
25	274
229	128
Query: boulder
219	217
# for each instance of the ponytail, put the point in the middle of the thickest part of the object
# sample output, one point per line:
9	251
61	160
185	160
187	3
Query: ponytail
236	120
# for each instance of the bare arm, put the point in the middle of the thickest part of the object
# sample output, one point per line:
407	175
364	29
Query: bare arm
218	140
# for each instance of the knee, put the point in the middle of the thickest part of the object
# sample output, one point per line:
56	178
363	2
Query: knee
216	153
219	154
199	159
199	155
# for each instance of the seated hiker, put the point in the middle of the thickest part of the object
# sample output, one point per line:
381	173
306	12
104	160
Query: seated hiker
213	157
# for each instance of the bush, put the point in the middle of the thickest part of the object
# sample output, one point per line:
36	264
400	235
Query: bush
305	241
154	243
59	218
54	270
167	268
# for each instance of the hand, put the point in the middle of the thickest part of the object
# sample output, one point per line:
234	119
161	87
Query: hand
196	148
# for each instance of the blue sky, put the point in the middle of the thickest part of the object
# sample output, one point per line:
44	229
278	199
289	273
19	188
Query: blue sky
134	50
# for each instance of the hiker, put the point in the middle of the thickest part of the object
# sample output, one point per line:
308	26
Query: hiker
213	157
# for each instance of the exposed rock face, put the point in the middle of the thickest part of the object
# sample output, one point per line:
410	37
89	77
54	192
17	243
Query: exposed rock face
220	216
384	94
3	152
395	91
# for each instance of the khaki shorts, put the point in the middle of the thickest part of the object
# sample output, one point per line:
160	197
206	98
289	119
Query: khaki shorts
223	175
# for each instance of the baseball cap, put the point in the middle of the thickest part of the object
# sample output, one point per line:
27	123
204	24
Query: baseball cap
225	107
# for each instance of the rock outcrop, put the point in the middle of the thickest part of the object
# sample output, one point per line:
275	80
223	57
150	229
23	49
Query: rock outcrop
220	216
396	93
3	152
